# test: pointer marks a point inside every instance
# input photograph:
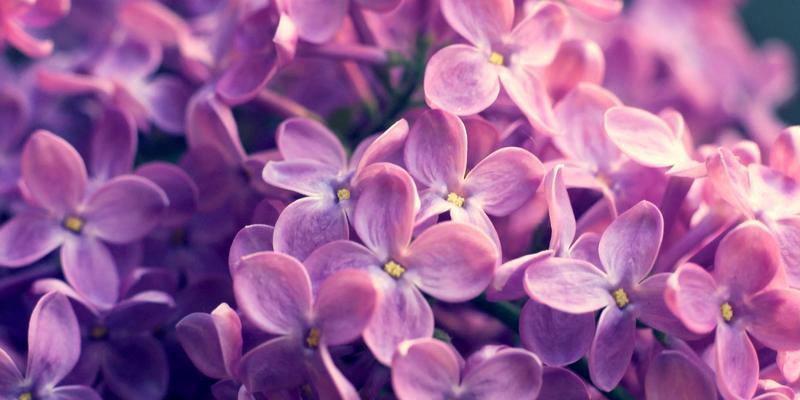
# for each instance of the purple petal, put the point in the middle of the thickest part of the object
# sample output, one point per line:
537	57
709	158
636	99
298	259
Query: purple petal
577	61
749	245
460	79
562	219
483	23
307	139
673	375
54	341
572	286
402	314
612	348
585	248
74	392
562	384
326	378
451	261
180	189
603	9
213	342
730	179
243	80
644	137
482	139
783	156
307	224
336	256
432	204
425	369
648	298
387	147
529	93
558	338
125	209
250	239
165	98
135	367
774	317
10	376
537	37
629	246
25	42
344	306
472	214
53	172
29	237
509	278
114	143
129	58
276	364
317	20
89	268
511	373
737	362
307	177
504	180
691	295
142	312
211	123
436	150
385	208
274	292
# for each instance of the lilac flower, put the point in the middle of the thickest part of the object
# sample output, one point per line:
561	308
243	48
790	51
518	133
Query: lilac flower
436	156
451	261
274	292
743	295
18	15
430	369
674	374
318	21
315	165
65	213
53	349
622	290
465	79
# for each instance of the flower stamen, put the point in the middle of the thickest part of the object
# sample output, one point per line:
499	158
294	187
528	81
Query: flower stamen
73	224
98	332
496	58
25	396
343	194
727	312
455	199
312	340
394	269
620	297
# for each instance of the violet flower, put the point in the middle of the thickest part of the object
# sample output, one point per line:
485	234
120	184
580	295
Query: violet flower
65	213
54	346
274	291
16	16
743	295
450	261
466	79
430	369
318	21
622	289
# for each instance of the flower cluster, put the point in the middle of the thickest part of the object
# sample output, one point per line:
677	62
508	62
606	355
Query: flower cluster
395	199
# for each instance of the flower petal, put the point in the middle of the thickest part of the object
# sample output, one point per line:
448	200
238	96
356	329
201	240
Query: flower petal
460	80
307	177
572	286
783	156
28	237
74	392
385	209
210	123
747	259
644	137
307	224
424	369
274	292
143	312
504	180
529	93
336	256
125	209
629	246
213	341
536	38
25	42
774	317
562	384
344	306
317	20
166	98
730	179
53	172
509	278
451	261
612	348
114	142
327	380
436	150
482	22
250	239
557	337
510	373
577	60
648	298
304	138
54	341
603	9
562	219
690	295
388	147
10	376
245	78
736	363
182	193
135	367
89	268
673	375
273	365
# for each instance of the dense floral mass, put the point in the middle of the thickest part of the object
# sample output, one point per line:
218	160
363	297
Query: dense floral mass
395	199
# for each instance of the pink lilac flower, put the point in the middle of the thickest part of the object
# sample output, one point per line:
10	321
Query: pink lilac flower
743	296
466	79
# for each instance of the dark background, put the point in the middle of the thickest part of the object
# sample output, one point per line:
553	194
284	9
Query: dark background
777	19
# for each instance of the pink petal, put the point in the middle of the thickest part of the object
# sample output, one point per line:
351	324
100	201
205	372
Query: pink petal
509	278
603	9
571	286
691	295
451	261
125	209
787	232
436	150
673	375
25	42
504	180
28	237
510	373
54	341
424	369
303	138
213	341
402	314
317	20
432	204
46	12
307	224
648	299
783	156
528	92
774	317
344	306
385	208
644	137
536	39
612	348
209	122
747	259
562	219
327	380
769	187
70	83
249	240
90	269
482	22
730	179
274	292
53	172
559	338
388	146
736	362
460	80
629	246
473	215
482	139
577	61
307	177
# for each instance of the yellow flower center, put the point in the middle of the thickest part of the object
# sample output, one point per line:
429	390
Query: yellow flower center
394	269
25	396
496	58
456	199
313	337
73	224
98	332
727	312
620	297
343	194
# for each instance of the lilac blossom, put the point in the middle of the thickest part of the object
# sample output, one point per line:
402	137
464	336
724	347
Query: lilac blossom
17	16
